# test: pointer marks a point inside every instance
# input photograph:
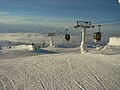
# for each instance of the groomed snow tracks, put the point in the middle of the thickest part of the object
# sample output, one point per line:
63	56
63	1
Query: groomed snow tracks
60	72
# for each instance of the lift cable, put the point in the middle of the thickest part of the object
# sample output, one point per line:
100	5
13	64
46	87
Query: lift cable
104	23
110	21
111	24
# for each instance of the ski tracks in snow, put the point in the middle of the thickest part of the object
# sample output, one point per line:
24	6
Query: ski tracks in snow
77	81
56	72
91	71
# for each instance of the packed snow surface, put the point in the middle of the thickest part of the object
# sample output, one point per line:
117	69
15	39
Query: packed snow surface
60	68
61	72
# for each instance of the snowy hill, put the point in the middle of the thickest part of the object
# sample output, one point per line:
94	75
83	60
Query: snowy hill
61	72
60	68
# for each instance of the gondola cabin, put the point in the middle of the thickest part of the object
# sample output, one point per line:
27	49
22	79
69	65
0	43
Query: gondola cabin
97	36
67	37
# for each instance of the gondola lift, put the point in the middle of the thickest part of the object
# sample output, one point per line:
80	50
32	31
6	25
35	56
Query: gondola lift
67	36
97	35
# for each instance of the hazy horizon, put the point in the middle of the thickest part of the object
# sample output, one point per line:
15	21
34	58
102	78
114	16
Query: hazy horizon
46	16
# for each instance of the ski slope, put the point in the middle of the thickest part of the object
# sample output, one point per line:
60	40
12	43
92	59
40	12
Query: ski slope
61	72
60	68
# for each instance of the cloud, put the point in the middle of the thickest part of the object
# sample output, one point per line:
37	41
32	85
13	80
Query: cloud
31	23
57	22
4	13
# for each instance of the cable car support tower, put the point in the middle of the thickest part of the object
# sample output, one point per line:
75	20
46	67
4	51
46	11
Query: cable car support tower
83	25
51	35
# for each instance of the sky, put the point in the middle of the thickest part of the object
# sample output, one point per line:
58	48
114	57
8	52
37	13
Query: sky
55	15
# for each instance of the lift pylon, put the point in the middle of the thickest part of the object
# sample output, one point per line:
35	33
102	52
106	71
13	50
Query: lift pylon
51	35
84	25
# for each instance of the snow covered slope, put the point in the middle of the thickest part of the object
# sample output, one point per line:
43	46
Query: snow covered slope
59	68
61	72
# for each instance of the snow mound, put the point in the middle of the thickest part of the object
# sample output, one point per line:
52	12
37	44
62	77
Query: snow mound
111	49
5	43
114	41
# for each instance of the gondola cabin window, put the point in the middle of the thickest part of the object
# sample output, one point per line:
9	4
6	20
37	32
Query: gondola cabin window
97	36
